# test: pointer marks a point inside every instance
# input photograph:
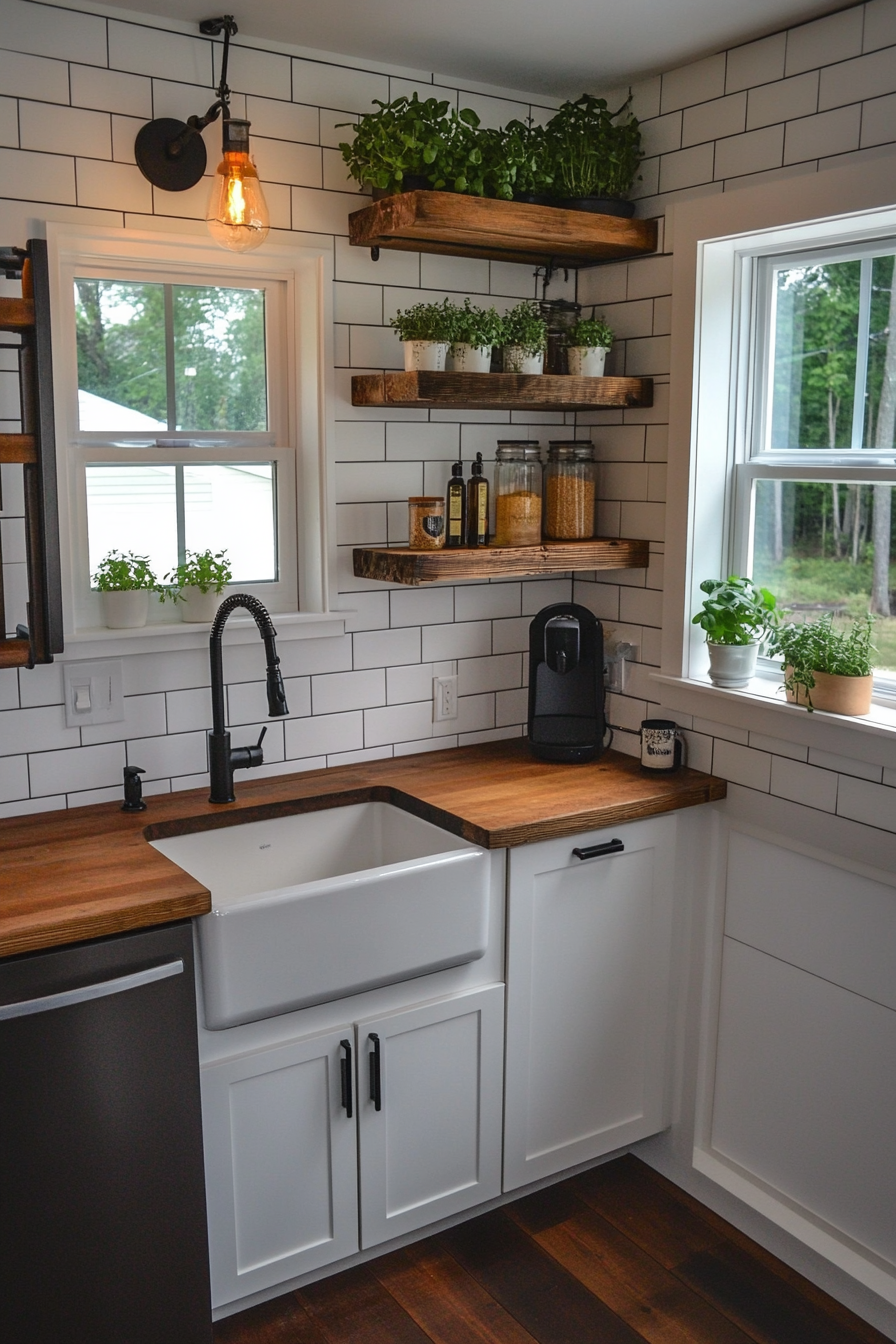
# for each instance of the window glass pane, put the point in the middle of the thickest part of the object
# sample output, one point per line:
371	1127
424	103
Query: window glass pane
121	356
231	507
219	358
816	322
133	508
828	546
880	400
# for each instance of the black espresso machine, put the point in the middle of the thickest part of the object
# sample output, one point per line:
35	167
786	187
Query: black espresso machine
566	684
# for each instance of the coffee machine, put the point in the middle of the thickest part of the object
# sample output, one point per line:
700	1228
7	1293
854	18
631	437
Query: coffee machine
566	684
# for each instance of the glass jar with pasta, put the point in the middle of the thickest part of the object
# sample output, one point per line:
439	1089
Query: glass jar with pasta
517	491
569	487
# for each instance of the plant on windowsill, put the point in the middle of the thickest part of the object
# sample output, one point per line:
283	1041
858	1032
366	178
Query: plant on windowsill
197	584
587	344
737	617
426	330
525	339
476	331
827	668
125	582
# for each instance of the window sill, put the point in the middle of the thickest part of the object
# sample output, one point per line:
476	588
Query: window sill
176	636
760	708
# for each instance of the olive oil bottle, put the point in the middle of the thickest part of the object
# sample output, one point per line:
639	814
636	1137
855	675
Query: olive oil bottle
477	506
456	533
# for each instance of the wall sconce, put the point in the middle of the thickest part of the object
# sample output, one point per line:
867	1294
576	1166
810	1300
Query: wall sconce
171	155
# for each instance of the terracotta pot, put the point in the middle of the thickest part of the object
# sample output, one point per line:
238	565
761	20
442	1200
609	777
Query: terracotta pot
587	361
126	609
836	695
732	665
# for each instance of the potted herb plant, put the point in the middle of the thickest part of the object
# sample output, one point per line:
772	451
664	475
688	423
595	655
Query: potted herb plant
736	616
825	667
594	155
395	148
525	339
476	331
426	331
197	584
587	345
125	583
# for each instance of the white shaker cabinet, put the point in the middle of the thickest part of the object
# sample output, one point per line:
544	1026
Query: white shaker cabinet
588	967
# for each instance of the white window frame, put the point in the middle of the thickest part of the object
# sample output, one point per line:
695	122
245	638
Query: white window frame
716	243
300	370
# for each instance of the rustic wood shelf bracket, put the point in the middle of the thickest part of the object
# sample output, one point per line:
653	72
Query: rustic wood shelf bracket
34	450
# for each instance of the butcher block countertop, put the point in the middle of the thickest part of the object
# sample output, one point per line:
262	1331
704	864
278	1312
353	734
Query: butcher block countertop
89	871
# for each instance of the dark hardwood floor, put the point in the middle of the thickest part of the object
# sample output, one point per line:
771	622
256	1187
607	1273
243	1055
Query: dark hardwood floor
617	1255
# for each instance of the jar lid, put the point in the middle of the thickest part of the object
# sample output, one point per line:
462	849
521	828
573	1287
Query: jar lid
571	450
518	450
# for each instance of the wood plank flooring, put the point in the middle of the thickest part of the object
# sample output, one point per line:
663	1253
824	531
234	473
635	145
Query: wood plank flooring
617	1255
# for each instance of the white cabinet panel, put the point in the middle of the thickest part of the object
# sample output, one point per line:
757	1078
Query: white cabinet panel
821	916
805	1093
281	1165
434	1147
587	997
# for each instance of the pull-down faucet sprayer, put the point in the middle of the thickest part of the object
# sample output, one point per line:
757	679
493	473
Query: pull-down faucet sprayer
224	759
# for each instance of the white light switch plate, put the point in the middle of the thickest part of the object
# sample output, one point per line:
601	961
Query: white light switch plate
93	692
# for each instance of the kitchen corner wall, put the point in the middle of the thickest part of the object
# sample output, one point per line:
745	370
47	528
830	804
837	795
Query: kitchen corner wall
817	96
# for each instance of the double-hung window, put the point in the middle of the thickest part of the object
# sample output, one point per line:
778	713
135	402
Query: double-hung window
190	412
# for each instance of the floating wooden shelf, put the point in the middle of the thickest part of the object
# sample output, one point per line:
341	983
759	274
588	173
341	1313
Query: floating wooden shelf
399	564
500	391
471	226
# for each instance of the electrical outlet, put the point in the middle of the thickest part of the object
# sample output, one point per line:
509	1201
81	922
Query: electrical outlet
93	693
444	699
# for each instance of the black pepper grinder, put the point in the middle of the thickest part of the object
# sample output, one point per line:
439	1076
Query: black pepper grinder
133	789
477	505
456	534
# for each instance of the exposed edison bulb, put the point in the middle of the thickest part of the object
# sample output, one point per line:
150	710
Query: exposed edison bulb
237	214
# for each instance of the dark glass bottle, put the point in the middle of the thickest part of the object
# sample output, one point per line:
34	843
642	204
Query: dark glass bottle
477	505
456	510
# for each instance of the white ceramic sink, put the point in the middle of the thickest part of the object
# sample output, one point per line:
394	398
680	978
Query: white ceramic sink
320	905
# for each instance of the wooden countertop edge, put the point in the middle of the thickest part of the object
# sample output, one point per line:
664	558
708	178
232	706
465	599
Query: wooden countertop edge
90	872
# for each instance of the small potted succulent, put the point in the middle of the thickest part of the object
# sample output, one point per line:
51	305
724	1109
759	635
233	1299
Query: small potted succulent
737	617
525	339
827	668
587	346
426	331
476	331
197	584
125	582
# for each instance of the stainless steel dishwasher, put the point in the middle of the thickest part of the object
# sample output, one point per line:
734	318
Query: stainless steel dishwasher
103	1234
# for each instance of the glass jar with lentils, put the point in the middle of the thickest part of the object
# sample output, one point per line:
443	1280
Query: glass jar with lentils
517	491
569	486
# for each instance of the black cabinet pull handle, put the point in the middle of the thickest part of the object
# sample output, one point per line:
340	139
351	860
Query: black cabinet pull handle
345	1076
596	851
376	1077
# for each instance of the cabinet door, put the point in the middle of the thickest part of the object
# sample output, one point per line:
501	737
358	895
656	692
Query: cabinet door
588	961
434	1146
281	1164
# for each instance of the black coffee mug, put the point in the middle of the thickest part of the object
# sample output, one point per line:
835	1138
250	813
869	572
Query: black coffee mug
661	746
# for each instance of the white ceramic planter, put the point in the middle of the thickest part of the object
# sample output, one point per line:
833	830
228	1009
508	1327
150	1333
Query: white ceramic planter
587	361
517	359
126	610
471	358
732	665
199	606
425	356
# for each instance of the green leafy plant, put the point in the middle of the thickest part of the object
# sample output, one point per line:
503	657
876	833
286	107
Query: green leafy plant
404	137
590	151
736	611
427	322
458	162
124	573
479	327
206	570
526	328
591	332
808	647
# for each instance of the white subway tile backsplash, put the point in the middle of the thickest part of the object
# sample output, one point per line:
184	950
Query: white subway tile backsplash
538	593
756	62
484	601
422	442
38	177
461	639
250	69
247	700
710	121
778	747
694	83
322	211
878	120
410	683
873	804
750	153
500	672
686	168
144	716
387	648
460	275
783	100
825	41
376	348
13	778
427	606
150	51
33	77
845	765
334	692
320	84
358	303
109	91
324	734
281	120
880	24
76	768
373	482
113	186
742	765
826	133
804	784
282	161
661	135
399	723
53	31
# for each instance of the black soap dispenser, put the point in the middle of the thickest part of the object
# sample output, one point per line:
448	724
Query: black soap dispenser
477	505
456	530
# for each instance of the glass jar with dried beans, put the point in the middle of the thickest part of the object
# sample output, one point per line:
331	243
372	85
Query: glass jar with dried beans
426	522
517	490
569	487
